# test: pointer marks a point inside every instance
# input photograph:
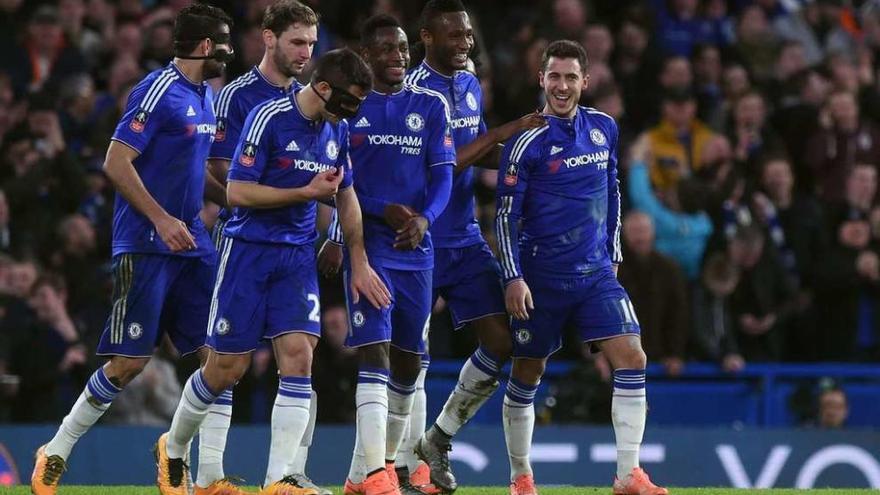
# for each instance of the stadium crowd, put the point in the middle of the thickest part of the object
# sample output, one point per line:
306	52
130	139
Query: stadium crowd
750	138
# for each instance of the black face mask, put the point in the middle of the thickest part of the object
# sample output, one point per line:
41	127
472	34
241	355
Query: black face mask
338	98
221	56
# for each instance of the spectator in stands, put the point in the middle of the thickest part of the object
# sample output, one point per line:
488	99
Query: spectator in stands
6	240
851	283
833	408
151	398
635	68
657	288
714	329
751	136
736	82
88	42
847	140
599	43
763	299
680	27
707	84
78	261
756	43
569	18
791	60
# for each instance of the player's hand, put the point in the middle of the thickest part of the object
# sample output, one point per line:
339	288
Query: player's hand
329	259
365	280
325	185
397	215
518	299
175	234
411	235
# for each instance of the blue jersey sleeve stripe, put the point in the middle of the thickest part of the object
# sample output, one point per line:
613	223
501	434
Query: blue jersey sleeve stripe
617	256
157	89
263	116
508	262
431	92
523	141
593	111
229	90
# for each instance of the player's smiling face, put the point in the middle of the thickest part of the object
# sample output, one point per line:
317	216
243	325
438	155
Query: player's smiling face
563	81
388	56
293	49
452	39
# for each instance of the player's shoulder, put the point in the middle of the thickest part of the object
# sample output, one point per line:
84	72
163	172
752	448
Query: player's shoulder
426	97
233	89
598	118
147	93
417	76
525	142
264	114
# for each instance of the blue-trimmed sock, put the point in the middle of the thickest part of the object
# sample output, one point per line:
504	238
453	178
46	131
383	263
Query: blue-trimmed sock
290	418
191	411
88	409
401	395
372	418
518	416
628	409
212	439
477	381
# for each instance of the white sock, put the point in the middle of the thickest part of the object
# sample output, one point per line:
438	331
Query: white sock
477	382
628	409
212	440
298	466
400	403
290	417
357	472
191	411
518	416
92	403
416	426
372	415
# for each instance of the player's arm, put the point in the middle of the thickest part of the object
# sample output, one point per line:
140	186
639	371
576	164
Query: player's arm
510	193
215	180
485	151
363	279
613	223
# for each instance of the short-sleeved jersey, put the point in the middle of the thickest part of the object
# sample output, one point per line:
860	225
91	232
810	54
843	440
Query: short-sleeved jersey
456	227
395	140
560	180
281	147
169	120
233	104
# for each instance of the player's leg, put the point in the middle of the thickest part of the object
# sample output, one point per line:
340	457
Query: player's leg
606	318
298	465
518	418
129	337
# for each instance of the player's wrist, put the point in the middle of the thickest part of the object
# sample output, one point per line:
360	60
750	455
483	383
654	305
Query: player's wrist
509	281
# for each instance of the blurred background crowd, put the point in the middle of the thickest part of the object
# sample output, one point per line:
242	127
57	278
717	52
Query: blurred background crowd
750	138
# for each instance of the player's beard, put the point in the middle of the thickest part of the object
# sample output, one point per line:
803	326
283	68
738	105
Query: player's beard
286	67
213	69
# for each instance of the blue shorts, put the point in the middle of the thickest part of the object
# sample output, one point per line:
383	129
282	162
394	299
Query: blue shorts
404	323
262	291
217	232
596	305
469	280
154	294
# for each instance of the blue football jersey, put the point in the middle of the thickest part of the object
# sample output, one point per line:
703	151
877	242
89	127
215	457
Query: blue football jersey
456	227
395	140
560	181
233	104
170	121
281	147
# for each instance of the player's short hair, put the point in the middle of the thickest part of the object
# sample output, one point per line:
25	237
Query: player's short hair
435	8
342	68
565	49
375	23
282	14
195	23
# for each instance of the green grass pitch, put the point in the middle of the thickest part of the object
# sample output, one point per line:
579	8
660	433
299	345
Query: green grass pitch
488	490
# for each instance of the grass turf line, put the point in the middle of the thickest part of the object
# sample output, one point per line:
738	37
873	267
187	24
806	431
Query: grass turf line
483	490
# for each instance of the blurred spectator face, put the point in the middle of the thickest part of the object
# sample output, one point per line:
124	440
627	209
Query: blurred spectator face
684	9
563	82
252	47
816	89
716	9
71	13
777	179
600	76
679	113
844	74
22	276
833	409
124	70
130	9
41	122
792	59
569	15
638	233
707	65
161	40
610	103
77	234
750	111
47	301
534	54
861	186
335	326
717	151
4	209
10	5
746	248
752	24
844	111
736	81
293	49
720	276
78	95
21	155
128	40
632	39
45	34
676	73
99	12
598	43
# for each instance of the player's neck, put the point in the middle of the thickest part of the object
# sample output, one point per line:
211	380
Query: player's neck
309	103
437	67
272	74
385	88
191	69
549	111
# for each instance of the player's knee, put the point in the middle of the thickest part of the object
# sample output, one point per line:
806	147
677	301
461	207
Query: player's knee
405	366
296	360
374	356
224	371
528	371
494	335
122	370
633	358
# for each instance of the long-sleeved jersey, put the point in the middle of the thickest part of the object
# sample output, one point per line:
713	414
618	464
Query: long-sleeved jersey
558	199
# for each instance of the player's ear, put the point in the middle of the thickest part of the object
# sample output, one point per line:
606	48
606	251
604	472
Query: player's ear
426	36
541	78
269	38
585	82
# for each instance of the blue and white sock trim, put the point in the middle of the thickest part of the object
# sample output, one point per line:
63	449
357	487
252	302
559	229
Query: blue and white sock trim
520	392
368	374
486	362
426	361
401	388
200	388
629	379
225	399
298	387
100	387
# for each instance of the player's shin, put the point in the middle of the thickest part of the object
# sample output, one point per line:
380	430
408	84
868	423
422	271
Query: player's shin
477	381
401	396
628	410
518	416
371	399
290	417
298	465
191	411
212	439
406	457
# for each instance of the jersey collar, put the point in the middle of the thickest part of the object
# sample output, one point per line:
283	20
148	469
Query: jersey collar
185	80
299	111
434	71
256	70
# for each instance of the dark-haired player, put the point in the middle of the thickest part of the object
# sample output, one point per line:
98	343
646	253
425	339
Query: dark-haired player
290	31
558	228
163	259
292	152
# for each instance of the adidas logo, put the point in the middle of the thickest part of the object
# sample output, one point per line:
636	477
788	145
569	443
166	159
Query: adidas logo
190	112
363	122
292	146
555	149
